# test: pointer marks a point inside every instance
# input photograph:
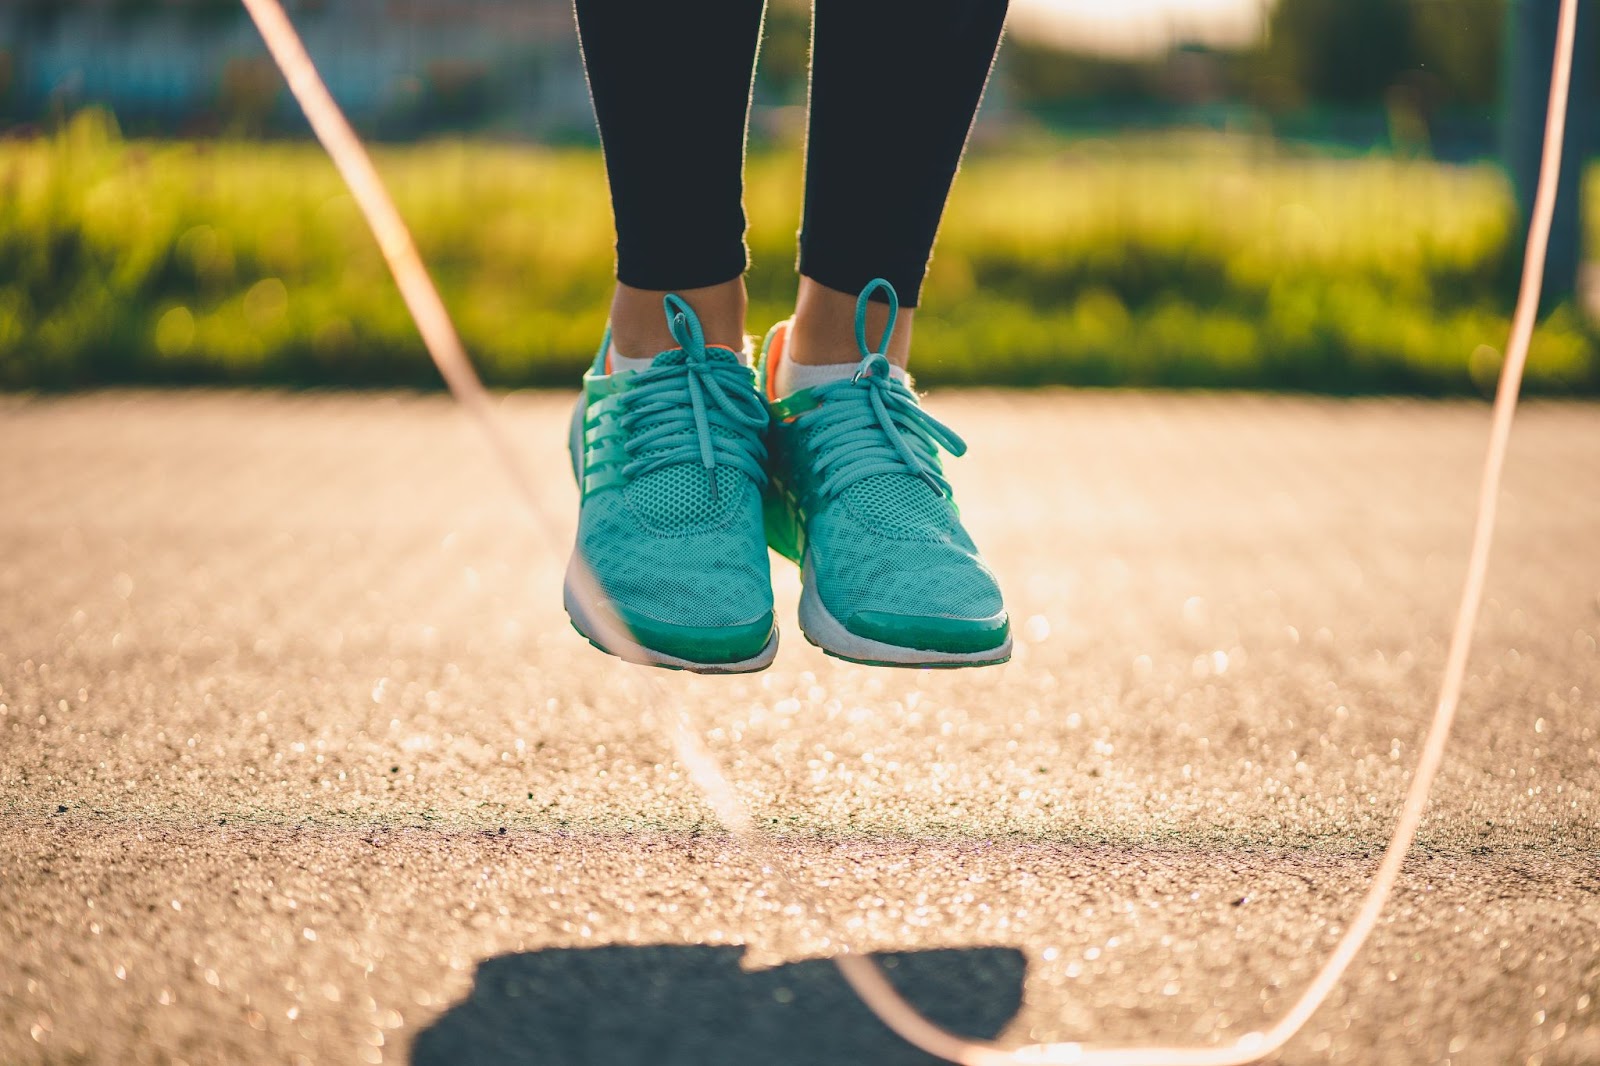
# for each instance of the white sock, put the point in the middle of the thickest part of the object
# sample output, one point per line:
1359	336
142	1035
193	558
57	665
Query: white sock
616	362
793	376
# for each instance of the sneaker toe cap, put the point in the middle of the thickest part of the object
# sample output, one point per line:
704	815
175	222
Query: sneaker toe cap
722	643
936	633
705	644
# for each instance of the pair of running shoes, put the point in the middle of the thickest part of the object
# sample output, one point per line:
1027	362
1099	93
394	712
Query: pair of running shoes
688	470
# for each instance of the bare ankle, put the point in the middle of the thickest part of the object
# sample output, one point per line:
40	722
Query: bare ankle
824	329
639	326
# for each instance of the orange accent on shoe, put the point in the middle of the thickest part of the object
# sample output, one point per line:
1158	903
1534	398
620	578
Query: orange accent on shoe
780	334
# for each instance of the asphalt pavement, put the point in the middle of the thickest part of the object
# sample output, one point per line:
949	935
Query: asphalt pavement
300	762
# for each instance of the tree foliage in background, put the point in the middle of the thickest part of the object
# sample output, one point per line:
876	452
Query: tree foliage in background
1342	51
1352	54
1461	48
785	51
1040	74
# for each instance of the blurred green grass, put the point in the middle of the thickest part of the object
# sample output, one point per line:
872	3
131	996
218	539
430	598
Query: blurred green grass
1215	263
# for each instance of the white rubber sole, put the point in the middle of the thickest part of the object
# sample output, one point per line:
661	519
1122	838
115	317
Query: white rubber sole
829	634
611	637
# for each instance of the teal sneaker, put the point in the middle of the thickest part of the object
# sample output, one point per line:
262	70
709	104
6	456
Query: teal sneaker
670	567
857	496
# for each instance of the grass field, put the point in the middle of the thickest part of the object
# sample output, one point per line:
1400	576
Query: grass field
1203	263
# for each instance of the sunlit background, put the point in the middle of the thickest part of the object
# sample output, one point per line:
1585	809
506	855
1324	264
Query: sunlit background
301	762
1303	194
1140	26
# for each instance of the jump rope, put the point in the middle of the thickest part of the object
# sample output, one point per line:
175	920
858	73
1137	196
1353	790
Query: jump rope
864	975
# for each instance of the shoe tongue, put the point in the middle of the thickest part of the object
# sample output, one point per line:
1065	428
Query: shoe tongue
678	357
679	497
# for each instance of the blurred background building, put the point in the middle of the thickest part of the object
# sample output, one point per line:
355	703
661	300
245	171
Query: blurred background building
402	68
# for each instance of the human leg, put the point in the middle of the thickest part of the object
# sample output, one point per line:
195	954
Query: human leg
671	91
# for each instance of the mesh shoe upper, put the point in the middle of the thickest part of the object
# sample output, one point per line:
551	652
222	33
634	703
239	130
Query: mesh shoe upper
869	555
708	570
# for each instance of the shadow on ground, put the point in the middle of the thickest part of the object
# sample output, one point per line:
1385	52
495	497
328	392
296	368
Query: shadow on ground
681	1005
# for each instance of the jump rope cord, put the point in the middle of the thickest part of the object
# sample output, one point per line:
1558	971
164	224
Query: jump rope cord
864	975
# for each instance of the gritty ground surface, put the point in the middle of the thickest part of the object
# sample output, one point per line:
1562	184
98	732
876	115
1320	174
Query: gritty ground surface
300	762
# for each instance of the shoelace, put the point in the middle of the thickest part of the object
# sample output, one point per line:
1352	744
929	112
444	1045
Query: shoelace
669	419
871	423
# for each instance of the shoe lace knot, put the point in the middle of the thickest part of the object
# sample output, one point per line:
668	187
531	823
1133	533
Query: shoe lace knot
700	405
871	423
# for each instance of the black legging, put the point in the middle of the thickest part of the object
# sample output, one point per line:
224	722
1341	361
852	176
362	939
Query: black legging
894	85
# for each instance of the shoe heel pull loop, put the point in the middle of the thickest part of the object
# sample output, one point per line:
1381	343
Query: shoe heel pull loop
684	324
875	285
